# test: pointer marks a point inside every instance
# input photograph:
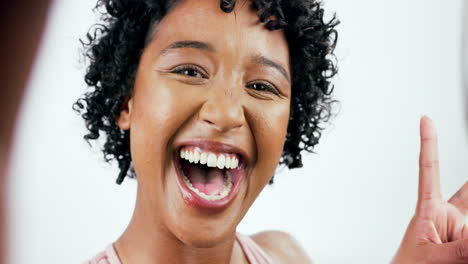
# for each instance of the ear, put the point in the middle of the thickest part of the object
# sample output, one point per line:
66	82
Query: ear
124	118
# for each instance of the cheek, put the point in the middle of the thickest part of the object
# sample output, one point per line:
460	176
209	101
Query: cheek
160	109
269	129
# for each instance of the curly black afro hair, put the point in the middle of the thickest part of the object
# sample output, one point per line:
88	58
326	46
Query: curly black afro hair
115	45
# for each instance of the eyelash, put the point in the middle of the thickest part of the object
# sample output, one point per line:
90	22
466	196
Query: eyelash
266	86
180	70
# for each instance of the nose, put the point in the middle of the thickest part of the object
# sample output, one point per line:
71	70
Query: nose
222	112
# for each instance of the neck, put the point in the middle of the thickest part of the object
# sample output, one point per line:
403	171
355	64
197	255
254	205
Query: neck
146	240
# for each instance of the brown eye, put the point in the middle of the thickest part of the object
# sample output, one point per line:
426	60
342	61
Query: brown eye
263	87
190	71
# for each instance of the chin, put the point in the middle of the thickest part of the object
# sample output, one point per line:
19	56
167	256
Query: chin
204	236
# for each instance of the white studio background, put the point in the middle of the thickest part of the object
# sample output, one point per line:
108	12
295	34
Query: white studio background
349	204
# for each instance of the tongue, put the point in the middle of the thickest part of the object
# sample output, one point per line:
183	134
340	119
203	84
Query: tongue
209	181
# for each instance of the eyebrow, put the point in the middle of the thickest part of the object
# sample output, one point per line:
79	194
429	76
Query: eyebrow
189	44
259	59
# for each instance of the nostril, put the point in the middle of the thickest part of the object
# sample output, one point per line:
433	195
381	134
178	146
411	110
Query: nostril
221	115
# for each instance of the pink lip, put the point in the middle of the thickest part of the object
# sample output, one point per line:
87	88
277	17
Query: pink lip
190	197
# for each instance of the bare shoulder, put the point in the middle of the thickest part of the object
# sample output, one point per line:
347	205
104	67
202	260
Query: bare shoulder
282	247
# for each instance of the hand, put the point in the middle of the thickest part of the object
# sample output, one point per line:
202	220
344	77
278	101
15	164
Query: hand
437	232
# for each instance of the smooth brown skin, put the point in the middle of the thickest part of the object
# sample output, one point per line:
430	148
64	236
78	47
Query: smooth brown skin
167	108
282	247
22	26
438	232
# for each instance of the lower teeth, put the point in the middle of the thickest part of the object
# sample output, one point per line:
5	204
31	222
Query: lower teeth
226	188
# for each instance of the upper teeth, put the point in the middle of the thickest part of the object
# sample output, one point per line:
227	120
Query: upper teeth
228	161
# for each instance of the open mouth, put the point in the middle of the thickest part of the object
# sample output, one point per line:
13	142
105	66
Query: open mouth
209	177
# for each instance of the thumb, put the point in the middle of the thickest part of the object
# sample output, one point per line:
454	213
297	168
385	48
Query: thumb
452	252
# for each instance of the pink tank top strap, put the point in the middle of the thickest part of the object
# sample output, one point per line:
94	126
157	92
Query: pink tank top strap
252	251
109	256
112	255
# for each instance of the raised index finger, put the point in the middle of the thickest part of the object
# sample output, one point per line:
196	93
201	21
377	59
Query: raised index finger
429	179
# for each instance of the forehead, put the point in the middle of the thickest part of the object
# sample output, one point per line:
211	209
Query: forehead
238	33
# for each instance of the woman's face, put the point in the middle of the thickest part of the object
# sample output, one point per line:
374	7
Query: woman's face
216	87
